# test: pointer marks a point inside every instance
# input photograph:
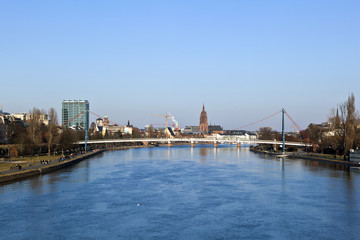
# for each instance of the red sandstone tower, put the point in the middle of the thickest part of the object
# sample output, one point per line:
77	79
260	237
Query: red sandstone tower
204	127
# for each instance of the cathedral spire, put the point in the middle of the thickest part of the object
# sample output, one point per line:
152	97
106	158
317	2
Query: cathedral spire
203	128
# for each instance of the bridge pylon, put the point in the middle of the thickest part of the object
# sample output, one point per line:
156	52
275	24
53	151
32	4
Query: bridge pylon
283	130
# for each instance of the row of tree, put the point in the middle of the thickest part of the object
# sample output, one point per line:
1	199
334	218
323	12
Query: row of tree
34	136
338	135
341	132
40	134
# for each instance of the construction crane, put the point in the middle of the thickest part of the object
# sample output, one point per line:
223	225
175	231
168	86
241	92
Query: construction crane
166	116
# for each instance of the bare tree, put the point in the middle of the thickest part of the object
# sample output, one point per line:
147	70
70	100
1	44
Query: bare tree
35	127
266	133
52	134
67	139
318	135
151	132
136	133
344	125
351	123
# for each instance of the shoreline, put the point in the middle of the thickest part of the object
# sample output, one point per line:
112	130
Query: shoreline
16	175
11	176
38	170
311	158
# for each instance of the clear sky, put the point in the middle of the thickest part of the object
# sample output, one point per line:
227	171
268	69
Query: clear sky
244	59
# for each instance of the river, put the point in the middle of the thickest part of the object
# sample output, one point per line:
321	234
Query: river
185	193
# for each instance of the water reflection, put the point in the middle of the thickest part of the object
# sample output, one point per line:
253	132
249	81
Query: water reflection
215	152
168	153
192	153
204	152
150	152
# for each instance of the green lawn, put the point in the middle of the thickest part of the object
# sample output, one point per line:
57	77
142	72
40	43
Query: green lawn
24	161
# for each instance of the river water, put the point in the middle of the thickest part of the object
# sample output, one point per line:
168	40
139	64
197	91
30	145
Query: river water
185	193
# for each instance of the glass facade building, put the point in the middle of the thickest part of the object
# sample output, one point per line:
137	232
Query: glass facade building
70	111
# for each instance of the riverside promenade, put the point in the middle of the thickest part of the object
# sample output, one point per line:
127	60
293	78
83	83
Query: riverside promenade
37	169
16	174
310	157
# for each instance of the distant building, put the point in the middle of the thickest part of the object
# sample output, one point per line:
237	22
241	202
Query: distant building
324	128
104	126
191	130
20	116
203	127
238	135
71	113
215	129
25	117
128	130
99	125
106	121
112	129
169	132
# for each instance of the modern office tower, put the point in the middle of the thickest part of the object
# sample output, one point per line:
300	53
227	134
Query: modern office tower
75	113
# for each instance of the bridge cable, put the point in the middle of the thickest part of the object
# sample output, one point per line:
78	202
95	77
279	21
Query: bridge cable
272	115
301	132
292	120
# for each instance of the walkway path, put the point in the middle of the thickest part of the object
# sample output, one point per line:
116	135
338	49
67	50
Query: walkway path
37	169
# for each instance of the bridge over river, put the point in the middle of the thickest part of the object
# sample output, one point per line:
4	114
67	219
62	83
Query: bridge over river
207	140
193	141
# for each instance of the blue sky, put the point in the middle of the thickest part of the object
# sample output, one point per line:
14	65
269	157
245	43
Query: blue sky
131	59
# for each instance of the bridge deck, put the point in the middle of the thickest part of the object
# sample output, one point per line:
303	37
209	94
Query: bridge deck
193	140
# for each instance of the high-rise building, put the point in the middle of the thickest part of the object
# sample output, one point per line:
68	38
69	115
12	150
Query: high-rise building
75	113
204	127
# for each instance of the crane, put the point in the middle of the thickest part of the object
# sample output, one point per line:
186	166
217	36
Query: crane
166	116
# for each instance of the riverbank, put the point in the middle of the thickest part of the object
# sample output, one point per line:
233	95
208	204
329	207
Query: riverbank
30	170
310	157
46	167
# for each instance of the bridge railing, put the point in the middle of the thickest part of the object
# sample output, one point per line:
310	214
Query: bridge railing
193	140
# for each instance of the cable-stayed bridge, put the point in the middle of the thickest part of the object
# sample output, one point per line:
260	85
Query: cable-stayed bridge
193	141
207	140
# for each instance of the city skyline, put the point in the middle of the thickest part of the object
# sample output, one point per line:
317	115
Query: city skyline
130	60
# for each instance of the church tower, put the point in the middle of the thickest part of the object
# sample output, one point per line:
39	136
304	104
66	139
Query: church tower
204	127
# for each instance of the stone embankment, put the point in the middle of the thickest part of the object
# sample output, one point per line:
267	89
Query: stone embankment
42	169
30	171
